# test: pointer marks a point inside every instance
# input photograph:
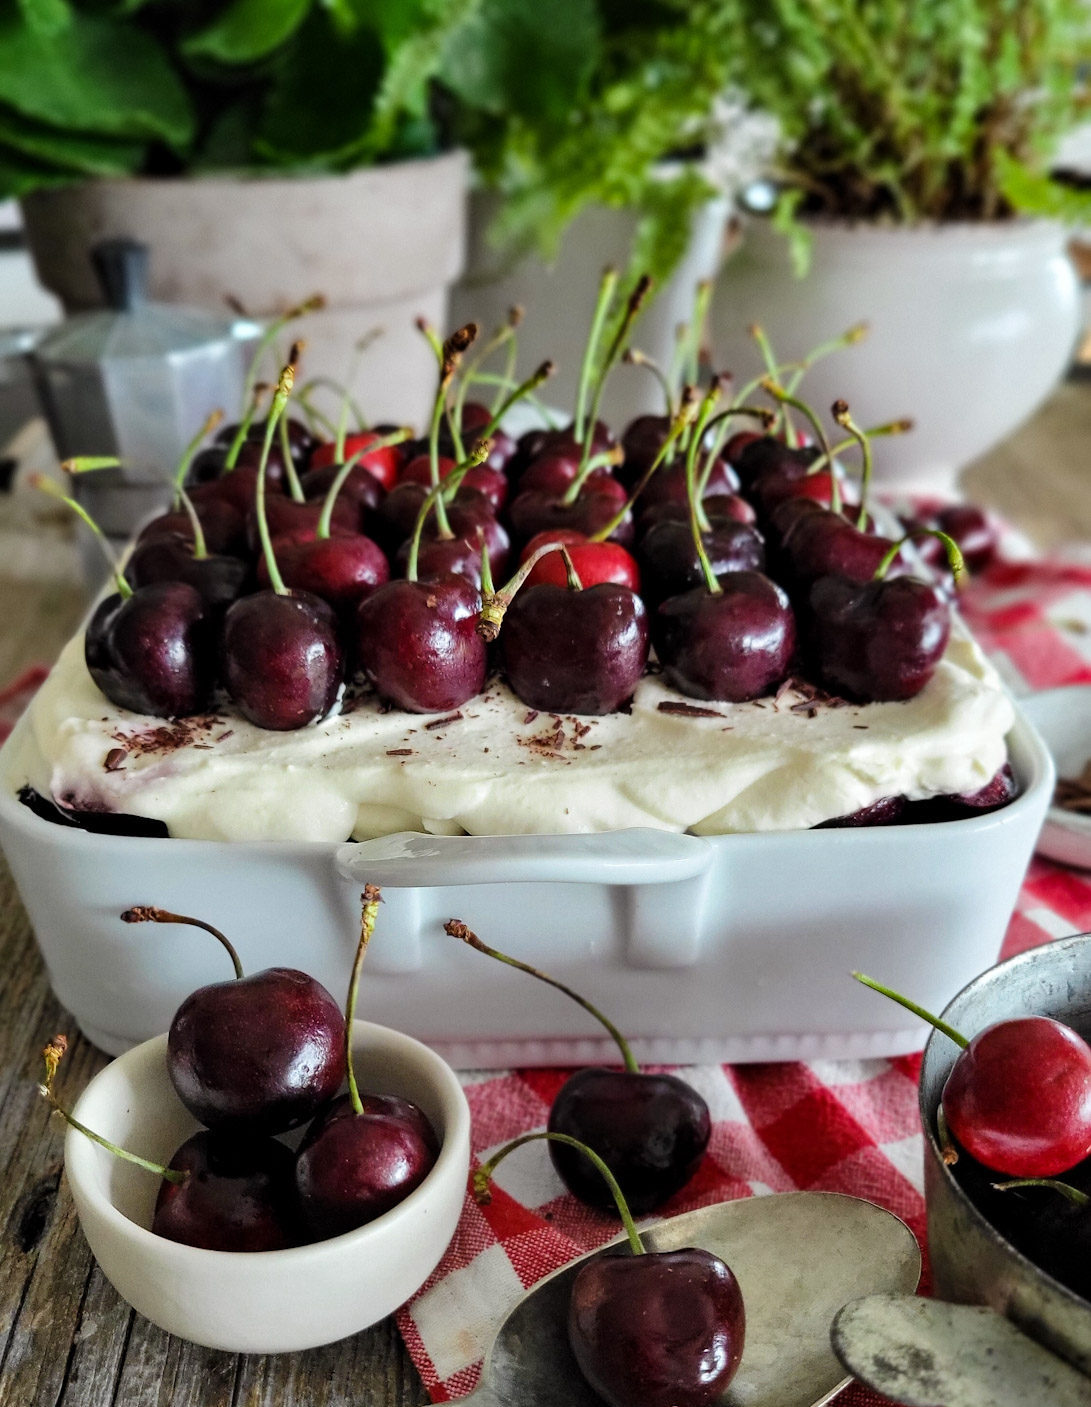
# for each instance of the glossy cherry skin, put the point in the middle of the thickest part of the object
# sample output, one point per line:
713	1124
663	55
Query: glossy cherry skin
716	505
824	543
361	488
239	1195
534	512
223	526
257	1054
668	558
1018	1098
236	486
340	569
569	651
153	653
383	463
353	1167
219	579
594	562
283	514
418	643
482	477
733	646
283	663
662	1329
650	1130
439	557
766	454
879	641
668	484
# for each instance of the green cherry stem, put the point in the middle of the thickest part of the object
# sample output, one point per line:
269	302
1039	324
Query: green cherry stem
148	913
434	499
633	305
494	604
571	574
785	398
325	518
483	1176
524	389
347	402
695	341
840	412
457	929
52	1056
607	288
607	457
370	900
1080	1199
848	338
295	488
698	520
505	333
933	1021
200	546
276	410
683	419
954	555
722	423
634	357
487	584
313	304
46	485
191	449
231	458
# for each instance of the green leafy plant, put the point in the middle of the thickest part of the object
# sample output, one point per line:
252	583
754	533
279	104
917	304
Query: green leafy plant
930	110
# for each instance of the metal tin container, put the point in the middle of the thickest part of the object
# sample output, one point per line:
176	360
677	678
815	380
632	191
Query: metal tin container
972	1263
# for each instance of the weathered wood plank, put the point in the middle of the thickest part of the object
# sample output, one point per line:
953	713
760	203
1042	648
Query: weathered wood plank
370	1369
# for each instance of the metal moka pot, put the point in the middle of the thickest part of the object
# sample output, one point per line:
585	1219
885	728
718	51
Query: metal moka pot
134	380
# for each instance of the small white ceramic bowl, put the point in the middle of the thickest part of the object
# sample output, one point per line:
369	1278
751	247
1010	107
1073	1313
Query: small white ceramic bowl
269	1301
1063	718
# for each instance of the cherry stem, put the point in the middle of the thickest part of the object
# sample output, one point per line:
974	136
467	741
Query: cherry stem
295	488
772	373
448	354
313	304
148	913
698	521
948	1151
370	900
457	929
434	499
783	398
303	398
701	299
606	458
683	419
574	582
346	397
212	420
851	335
515	317
1081	1199
494	604
52	1056
200	546
325	518
840	412
483	1175
632	308
723	424
634	357
487	585
954	555
543	373
276	410
607	287
504	333
933	1021
675	377
232	456
46	485
891	427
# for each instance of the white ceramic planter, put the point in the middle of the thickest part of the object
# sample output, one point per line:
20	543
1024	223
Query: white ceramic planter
559	298
383	245
971	326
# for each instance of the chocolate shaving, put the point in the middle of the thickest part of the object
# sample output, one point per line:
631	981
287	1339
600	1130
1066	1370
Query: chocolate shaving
115	759
686	710
442	722
400	752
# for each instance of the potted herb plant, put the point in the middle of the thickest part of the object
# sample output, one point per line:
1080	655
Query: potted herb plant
914	191
263	151
621	144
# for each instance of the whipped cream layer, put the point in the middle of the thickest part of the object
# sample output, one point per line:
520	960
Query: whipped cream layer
496	767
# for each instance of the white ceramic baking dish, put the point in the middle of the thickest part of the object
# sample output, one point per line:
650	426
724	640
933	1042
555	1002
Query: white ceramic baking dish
730	948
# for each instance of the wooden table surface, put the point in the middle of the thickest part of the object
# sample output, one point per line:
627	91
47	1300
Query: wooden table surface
65	1336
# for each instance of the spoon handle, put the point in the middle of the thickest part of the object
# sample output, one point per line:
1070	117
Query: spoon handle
921	1352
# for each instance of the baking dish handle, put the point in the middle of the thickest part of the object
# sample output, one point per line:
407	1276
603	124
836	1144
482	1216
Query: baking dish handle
665	877
410	860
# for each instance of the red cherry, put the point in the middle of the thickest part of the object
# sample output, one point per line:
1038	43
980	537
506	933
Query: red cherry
1019	1097
594	562
383	463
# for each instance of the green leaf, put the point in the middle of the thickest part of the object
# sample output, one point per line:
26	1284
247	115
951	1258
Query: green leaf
19	175
246	30
98	76
524	57
320	104
46	17
1035	193
73	151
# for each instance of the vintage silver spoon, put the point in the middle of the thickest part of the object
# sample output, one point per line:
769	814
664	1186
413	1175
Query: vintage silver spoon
798	1257
927	1352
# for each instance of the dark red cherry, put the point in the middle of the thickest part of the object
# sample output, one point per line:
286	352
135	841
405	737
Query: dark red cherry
482	477
668	558
341	569
824	543
257	1054
236	486
218	579
651	1130
418	644
238	1195
572	651
223	525
732	646
661	1329
976	534
153	651
283	514
668	485
283	663
643	439
533	512
361	487
884	812
716	505
353	1167
765	454
879	640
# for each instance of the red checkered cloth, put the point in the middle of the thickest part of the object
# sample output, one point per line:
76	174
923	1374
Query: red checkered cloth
848	1126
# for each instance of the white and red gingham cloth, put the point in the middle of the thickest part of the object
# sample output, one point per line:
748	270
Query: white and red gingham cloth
847	1126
